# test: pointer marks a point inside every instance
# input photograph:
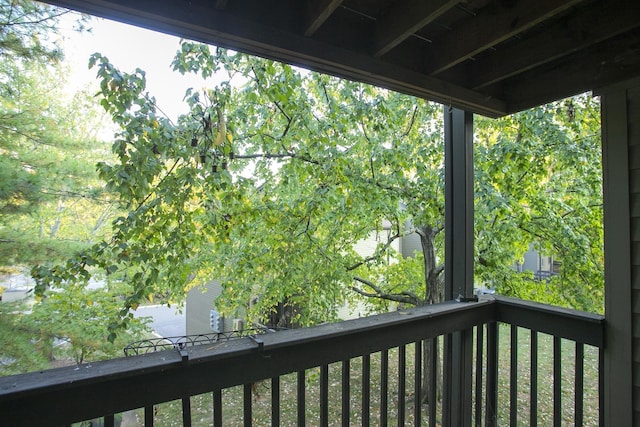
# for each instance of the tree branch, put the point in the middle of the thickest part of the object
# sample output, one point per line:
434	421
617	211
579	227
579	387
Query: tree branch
377	254
413	119
276	156
403	297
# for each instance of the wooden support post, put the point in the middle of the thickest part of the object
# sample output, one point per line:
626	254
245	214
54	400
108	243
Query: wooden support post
620	122
457	382
458	134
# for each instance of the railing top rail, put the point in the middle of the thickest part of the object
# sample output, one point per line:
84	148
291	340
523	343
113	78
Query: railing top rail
579	326
158	377
51	397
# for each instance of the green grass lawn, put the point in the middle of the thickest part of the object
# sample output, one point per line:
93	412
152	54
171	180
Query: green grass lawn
170	414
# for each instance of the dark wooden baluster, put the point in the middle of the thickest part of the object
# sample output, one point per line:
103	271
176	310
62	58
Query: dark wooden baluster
491	415
148	416
275	401
301	398
186	412
324	395
579	385
346	392
402	383
533	390
217	408
433	384
513	379
248	410
479	376
557	382
384	387
417	385
366	390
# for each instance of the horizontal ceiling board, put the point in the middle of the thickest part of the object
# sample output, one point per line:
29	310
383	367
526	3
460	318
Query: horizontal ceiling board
615	60
490	57
405	19
605	20
226	30
489	28
561	38
318	12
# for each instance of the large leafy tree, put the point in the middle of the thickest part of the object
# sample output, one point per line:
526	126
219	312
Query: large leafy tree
219	193
276	173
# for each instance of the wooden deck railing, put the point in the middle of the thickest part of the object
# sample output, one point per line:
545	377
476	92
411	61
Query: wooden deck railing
357	372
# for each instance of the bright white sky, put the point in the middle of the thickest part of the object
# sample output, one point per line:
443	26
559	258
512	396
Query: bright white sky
128	47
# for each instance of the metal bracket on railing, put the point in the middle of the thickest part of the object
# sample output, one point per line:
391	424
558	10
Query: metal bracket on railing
184	354
467	299
258	341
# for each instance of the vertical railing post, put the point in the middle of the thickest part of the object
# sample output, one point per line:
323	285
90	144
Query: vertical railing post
366	390
479	376
557	381
275	401
324	395
247	408
186	411
533	388
217	408
433	381
491	412
346	393
384	387
402	383
301	394
458	147
148	416
579	385
417	384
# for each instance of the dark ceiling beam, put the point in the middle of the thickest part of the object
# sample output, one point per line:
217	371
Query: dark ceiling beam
405	19
199	21
489	28
601	22
601	65
317	12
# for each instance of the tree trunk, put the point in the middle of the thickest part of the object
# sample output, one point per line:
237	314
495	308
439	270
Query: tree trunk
433	294
56	225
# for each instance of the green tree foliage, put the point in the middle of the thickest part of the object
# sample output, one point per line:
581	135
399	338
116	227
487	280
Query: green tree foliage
69	325
51	199
48	144
539	181
52	203
27	31
276	173
20	351
219	194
